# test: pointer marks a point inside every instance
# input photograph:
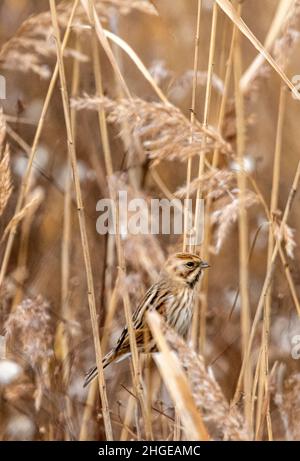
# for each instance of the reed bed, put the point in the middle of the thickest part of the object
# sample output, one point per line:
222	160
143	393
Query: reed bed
161	100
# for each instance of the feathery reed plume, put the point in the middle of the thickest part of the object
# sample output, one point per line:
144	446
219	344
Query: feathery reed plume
287	237
222	421
285	43
142	252
34	200
32	44
214	184
224	217
29	331
5	180
281	49
287	399
161	130
126	6
5	174
221	187
180	86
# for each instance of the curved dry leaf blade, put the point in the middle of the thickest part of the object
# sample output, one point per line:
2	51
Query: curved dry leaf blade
177	384
34	202
227	7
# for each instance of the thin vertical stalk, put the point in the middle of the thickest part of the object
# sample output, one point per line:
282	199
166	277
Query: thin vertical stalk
92	392
27	176
264	371
266	284
199	318
192	119
215	160
63	334
82	225
122	266
130	409
88	411
243	227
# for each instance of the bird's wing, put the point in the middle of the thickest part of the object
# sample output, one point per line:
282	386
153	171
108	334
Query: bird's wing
152	298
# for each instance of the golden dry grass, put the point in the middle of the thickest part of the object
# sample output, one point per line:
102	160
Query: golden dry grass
161	99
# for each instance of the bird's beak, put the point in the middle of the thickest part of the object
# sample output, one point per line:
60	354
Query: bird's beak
204	265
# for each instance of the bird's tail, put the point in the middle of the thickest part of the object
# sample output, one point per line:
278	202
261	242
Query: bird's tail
93	372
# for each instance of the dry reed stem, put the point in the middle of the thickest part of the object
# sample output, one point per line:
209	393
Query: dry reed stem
63	336
25	228
137	61
266	284
253	70
83	231
201	333
266	407
177	383
34	200
243	226
221	421
264	370
88	411
215	161
128	417
92	391
276	234
104	42
192	119
27	176
237	20
135	174
97	29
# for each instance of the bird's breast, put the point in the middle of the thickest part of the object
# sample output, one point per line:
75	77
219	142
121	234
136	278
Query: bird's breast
180	310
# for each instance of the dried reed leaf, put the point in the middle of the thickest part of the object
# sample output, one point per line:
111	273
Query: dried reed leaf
177	383
158	129
223	422
280	42
228	8
34	200
254	70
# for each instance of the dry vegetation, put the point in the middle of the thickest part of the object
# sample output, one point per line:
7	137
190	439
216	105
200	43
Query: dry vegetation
163	99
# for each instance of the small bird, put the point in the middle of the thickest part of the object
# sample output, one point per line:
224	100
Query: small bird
172	296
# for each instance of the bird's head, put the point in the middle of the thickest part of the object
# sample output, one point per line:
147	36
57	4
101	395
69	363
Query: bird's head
185	268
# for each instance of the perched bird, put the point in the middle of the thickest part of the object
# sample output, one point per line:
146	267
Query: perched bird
172	296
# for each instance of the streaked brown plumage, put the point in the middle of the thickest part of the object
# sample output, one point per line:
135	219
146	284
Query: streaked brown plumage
173	296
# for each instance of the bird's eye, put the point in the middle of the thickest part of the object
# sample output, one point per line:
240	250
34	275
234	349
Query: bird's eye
190	264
